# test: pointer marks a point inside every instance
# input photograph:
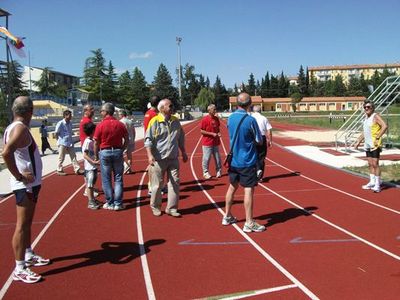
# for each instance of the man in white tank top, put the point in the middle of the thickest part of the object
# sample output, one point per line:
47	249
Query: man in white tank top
22	158
373	130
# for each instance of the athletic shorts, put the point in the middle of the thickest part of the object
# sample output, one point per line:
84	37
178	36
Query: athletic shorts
32	193
374	153
90	178
247	177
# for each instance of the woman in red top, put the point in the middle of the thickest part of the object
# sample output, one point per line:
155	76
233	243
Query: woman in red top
209	127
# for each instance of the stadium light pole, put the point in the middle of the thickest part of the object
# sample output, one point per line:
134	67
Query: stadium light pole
178	42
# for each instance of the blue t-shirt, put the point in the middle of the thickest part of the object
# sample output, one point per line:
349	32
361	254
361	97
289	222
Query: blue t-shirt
244	151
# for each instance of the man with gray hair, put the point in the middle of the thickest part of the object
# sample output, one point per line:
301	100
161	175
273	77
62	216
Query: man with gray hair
265	129
111	139
22	159
164	138
244	162
209	128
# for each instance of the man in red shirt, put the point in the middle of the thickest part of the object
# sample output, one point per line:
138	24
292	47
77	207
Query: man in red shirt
209	128
88	112
151	113
111	139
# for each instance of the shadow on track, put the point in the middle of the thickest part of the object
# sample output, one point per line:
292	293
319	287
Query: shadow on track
286	215
110	252
291	174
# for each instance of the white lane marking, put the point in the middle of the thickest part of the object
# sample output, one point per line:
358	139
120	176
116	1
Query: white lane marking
143	258
300	240
192	242
255	293
338	190
333	225
251	241
39	237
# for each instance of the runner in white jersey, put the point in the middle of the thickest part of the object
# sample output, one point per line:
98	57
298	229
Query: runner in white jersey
22	158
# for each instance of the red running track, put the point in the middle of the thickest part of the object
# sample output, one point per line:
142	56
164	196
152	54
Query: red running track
326	238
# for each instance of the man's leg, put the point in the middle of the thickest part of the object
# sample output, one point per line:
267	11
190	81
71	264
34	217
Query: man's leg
72	155
157	182
61	157
248	203
106	168
173	187
229	198
206	160
118	170
217	158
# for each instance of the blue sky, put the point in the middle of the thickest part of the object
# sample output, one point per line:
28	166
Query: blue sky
230	38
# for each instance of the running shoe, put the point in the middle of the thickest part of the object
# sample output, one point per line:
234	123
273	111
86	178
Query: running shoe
119	207
26	275
206	175
61	173
253	227
156	211
93	205
95	193
36	261
108	206
219	174
376	189
368	186
173	213
228	220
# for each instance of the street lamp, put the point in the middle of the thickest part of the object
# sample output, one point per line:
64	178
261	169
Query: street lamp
178	42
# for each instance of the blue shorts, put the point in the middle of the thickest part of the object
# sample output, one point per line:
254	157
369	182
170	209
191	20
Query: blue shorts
90	178
247	177
32	193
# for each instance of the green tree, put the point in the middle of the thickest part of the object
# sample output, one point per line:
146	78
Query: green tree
45	85
94	74
191	86
283	86
302	82
295	98
339	88
109	87
124	90
265	86
162	85
140	90
205	98
274	87
251	85
221	95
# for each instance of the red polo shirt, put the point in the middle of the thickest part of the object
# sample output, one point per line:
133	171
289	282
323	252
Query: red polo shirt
150	114
82	134
210	124
110	133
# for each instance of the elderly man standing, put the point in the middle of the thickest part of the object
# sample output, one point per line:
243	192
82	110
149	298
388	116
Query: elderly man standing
209	128
164	138
244	162
131	144
65	143
265	129
111	139
22	158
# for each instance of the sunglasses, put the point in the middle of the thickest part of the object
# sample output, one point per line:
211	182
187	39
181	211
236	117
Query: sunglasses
367	106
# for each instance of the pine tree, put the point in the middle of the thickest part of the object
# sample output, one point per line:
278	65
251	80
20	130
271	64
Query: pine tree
162	85
140	90
109	90
266	86
302	82
251	86
125	93
283	86
274	87
221	95
339	89
45	84
94	74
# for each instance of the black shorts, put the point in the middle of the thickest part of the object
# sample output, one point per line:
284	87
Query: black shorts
374	153
33	193
247	177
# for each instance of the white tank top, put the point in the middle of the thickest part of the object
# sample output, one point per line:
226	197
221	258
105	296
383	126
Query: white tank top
23	161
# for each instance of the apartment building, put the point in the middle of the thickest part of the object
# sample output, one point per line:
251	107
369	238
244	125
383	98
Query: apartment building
325	73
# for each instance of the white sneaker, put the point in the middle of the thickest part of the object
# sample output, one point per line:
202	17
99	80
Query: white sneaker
36	261
368	186
376	189
253	227
26	275
219	174
228	220
206	175
95	193
108	206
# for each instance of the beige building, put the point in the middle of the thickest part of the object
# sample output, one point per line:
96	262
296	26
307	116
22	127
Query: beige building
325	73
306	104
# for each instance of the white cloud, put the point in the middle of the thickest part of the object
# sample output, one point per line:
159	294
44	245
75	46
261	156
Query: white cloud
145	55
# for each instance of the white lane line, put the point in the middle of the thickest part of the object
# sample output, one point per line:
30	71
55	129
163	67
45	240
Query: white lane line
333	225
338	190
255	293
251	241
143	258
39	237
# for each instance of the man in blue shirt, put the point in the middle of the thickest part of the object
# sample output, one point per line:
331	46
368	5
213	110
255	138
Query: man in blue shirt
243	168
65	143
